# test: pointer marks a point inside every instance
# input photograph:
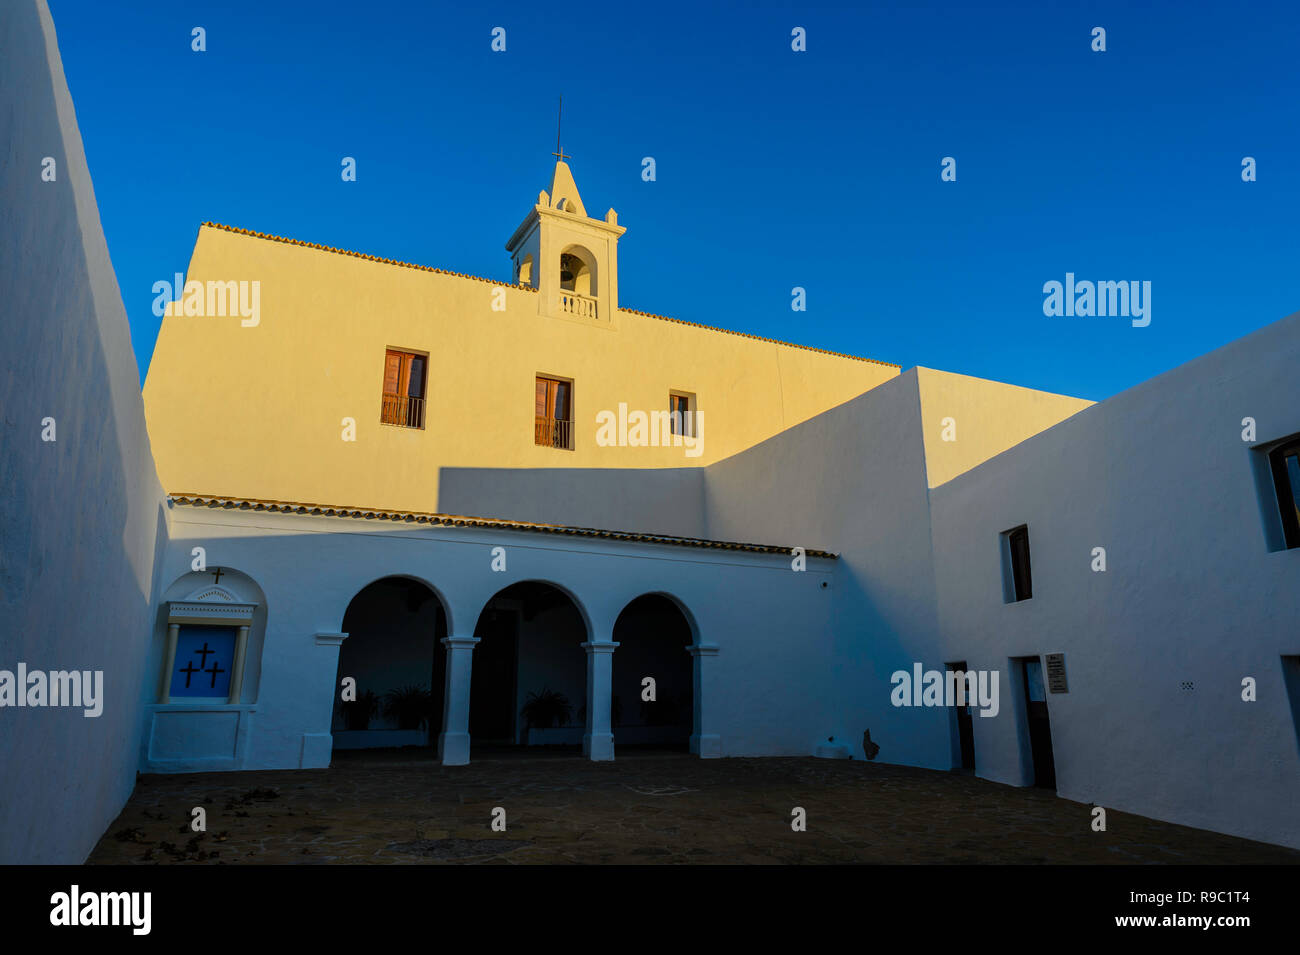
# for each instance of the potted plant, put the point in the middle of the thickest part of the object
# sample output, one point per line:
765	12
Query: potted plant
357	713
409	706
546	709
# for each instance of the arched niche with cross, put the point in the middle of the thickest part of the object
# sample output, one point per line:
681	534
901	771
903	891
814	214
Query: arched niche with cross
207	643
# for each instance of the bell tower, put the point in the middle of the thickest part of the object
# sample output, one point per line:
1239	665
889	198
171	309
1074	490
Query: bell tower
570	258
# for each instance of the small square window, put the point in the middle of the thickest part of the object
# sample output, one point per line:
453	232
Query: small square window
1284	463
681	413
1017	584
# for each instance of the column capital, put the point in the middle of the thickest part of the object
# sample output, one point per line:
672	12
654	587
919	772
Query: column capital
460	643
605	646
330	639
703	649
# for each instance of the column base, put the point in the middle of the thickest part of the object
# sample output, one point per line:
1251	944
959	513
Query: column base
453	749
598	746
317	749
706	745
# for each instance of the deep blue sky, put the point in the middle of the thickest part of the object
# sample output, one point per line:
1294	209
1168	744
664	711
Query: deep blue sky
775	169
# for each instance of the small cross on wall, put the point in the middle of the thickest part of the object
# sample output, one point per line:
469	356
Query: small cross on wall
214	670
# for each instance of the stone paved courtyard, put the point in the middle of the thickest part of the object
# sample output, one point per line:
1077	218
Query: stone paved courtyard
403	807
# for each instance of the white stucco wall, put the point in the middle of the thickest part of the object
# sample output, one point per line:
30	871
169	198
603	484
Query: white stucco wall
767	686
1160	477
852	481
654	500
81	516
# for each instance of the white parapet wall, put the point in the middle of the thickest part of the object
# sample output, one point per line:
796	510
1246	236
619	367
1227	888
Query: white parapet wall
1192	601
80	504
1197	595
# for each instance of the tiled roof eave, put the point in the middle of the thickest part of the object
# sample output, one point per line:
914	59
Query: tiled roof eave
760	338
457	520
362	255
528	288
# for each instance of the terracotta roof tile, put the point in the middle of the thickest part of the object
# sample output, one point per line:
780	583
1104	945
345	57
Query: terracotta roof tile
456	520
774	341
362	255
529	288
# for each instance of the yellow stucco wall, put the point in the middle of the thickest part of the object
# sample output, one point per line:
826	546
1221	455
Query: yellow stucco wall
257	411
989	418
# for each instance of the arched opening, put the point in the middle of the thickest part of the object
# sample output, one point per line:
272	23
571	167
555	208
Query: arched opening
578	271
529	678
653	633
210	631
190	613
394	626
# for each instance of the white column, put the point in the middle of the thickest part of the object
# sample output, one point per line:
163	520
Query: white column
705	741
169	661
237	666
317	748
598	740
453	741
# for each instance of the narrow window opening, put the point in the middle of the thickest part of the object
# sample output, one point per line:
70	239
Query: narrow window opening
1284	462
1017	580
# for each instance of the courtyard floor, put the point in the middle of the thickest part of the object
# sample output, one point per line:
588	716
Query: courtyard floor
645	807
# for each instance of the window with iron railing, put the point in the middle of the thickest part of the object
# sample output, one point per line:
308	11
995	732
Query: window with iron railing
553	433
402	401
404	410
553	413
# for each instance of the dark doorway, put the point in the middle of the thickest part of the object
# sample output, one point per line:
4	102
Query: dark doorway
393	654
963	727
492	679
1040	727
529	677
652	635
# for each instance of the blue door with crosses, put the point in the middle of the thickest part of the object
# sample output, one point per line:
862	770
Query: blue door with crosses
204	656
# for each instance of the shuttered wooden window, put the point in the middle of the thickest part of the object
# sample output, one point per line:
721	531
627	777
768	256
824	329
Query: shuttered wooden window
403	394
553	413
680	418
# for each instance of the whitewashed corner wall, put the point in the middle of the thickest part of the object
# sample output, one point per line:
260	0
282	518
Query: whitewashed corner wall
82	516
1160	477
852	481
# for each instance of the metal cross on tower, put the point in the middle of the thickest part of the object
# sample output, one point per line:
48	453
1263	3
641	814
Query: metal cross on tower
559	115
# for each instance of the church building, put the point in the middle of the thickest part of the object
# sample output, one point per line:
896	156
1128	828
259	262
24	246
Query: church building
508	500
370	503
